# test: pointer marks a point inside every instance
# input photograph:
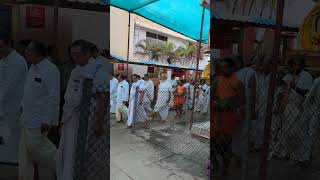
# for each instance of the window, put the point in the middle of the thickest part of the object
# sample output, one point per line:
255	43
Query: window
162	38
156	38
152	35
120	67
151	69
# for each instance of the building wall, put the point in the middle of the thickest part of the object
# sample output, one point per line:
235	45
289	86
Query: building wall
92	26
119	21
72	24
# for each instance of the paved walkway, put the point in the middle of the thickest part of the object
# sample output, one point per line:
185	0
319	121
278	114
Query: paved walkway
133	158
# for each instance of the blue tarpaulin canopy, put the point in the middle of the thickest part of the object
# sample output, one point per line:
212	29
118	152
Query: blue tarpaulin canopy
182	16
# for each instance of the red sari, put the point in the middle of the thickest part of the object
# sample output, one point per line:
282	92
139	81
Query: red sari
179	97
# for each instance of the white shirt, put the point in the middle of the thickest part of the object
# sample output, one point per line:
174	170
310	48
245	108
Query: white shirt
164	89
173	83
94	71
123	91
13	72
41	95
140	84
303	81
113	86
245	75
186	85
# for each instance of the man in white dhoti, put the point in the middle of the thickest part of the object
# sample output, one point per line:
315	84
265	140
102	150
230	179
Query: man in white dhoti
263	79
307	126
187	88
13	72
163	99
174	85
206	98
299	82
190	96
94	137
149	93
113	94
122	99
40	112
136	110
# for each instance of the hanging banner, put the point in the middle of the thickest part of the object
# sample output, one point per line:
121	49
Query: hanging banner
310	30
35	17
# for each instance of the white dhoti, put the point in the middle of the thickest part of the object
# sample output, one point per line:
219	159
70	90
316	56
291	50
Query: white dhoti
288	123
162	107
113	105
121	112
36	147
136	112
163	100
65	154
147	107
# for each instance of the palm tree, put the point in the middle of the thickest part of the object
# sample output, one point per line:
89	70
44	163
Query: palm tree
171	52
146	47
188	51
150	49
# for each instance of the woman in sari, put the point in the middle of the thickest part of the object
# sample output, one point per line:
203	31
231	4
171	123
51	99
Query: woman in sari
229	101
179	99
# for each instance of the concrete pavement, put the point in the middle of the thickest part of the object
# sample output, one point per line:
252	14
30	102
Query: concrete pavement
133	158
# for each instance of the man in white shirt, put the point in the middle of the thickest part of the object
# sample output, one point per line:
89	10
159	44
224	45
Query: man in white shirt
136	110
300	80
122	99
13	71
163	100
113	94
40	112
149	93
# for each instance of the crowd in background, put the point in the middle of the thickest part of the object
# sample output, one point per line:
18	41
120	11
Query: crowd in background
141	99
240	98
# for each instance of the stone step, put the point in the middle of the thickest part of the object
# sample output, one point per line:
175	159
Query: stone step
201	129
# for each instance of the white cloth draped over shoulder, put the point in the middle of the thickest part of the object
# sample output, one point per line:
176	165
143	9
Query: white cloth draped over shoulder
136	111
113	94
164	93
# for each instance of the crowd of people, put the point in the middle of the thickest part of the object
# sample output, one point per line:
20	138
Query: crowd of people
142	100
31	106
240	98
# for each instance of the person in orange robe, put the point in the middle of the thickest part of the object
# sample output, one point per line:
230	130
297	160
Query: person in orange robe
179	99
228	110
